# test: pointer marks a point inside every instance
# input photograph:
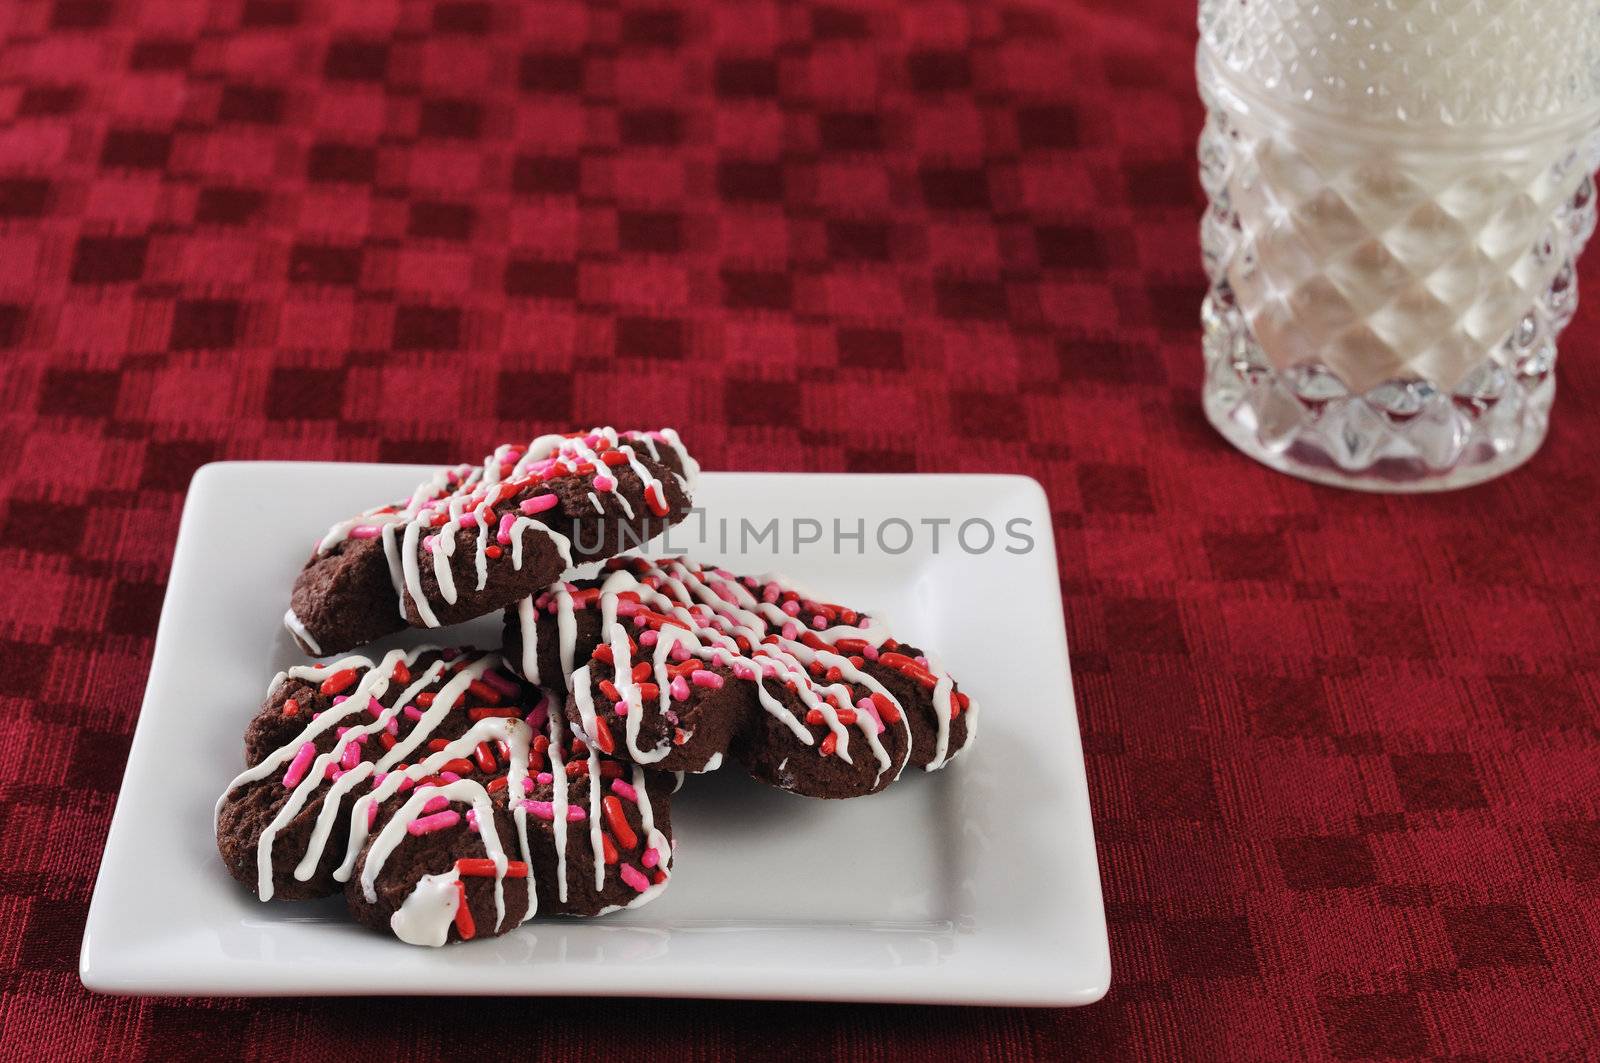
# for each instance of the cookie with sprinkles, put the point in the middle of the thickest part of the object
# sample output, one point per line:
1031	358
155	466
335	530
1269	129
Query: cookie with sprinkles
441	795
474	539
675	666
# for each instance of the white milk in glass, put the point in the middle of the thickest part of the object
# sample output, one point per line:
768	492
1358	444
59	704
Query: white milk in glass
1398	192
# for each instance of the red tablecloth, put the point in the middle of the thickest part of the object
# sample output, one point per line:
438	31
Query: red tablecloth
1343	750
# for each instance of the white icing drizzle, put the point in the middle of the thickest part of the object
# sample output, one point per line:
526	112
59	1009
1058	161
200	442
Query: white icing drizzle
298	630
424	917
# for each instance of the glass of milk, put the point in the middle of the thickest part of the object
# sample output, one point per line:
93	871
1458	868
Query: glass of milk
1398	192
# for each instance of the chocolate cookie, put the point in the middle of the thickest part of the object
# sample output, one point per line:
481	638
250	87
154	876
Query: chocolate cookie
442	796
808	696
473	539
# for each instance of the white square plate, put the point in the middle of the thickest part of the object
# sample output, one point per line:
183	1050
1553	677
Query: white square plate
976	884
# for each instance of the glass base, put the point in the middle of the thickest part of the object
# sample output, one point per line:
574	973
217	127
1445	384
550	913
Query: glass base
1308	456
1404	436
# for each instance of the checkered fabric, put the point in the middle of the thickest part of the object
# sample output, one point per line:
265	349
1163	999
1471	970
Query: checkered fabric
1344	751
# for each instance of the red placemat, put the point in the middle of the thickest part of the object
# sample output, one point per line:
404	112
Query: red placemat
1343	750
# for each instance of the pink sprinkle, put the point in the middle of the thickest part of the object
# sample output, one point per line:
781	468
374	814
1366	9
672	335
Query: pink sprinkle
870	653
622	789
469	520
545	778
680	652
429	824
365	531
472	820
542	809
340	699
866	705
351	757
499	682
650	858
427	544
412	712
576	813
770	594
702	678
372	814
393	726
920	659
377	779
374	707
539	503
406	783
604	483
819	622
680	689
620	708
634	877
791	631
436	804
449	776
504	534
741	670
792	608
539	716
648	638
627	608
299	765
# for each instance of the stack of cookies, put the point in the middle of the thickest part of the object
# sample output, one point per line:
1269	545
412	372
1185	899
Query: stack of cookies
454	793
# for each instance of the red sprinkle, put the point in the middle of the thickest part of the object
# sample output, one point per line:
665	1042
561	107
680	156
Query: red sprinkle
340	681
401	673
887	709
619	822
608	848
460	765
485	713
483	692
481	868
464	925
291	707
424	700
829	744
484	758
492	551
602	736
